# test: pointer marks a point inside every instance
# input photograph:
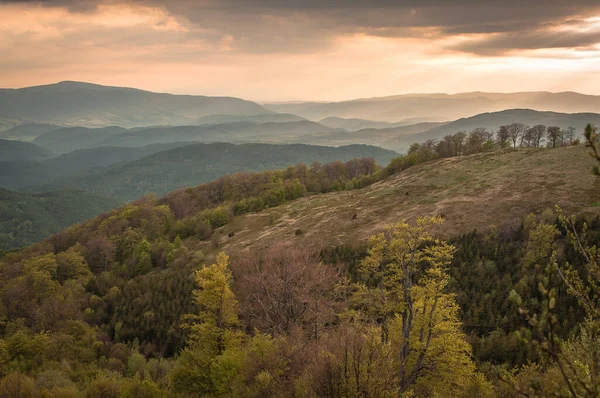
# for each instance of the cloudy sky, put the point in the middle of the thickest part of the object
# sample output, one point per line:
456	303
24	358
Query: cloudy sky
276	50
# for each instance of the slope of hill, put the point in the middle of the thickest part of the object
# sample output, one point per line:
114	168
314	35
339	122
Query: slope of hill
196	163
394	138
476	192
91	105
69	139
85	160
122	283
11	151
18	175
493	120
262	118
28	218
226	132
444	106
354	124
27	131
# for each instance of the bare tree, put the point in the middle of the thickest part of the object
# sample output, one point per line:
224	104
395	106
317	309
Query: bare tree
286	287
538	132
554	134
528	137
516	131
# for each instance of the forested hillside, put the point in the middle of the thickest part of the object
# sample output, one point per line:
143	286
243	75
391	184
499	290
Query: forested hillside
143	300
28	218
192	164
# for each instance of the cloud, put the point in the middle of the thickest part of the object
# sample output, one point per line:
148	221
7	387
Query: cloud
278	26
283	49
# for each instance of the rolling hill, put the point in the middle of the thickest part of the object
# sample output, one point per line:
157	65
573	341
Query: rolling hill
28	218
394	138
23	174
85	160
354	124
69	139
281	132
91	105
22	151
477	192
262	118
441	106
493	120
196	163
27	131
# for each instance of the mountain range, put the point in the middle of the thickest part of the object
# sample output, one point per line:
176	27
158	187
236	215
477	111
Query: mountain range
90	105
440	106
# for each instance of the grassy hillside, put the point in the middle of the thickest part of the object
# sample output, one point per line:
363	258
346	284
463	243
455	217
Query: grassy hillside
28	218
196	163
91	105
11	151
471	192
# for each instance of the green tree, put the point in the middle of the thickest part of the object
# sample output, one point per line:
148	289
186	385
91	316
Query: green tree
408	268
213	357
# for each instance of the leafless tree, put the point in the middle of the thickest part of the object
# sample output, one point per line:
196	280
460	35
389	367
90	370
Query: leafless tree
538	131
516	131
286	287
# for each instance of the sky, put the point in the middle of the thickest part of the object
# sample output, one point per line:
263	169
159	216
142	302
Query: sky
283	50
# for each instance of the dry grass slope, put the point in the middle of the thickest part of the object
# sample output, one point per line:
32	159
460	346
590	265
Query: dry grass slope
471	192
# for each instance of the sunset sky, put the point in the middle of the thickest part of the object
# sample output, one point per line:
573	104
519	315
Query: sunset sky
281	50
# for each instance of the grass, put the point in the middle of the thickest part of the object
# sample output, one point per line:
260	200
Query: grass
471	192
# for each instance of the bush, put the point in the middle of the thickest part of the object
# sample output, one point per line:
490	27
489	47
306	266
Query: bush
299	232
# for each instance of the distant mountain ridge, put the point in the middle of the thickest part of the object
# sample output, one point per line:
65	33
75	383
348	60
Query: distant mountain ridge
91	105
441	106
493	120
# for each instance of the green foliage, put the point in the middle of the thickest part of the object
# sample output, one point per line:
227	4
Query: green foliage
28	218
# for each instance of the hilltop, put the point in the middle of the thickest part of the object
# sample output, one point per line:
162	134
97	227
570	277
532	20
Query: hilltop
91	105
472	192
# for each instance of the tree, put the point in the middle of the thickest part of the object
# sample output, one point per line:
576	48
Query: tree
502	136
516	131
569	135
287	287
458	141
554	135
537	134
408	267
592	139
213	355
